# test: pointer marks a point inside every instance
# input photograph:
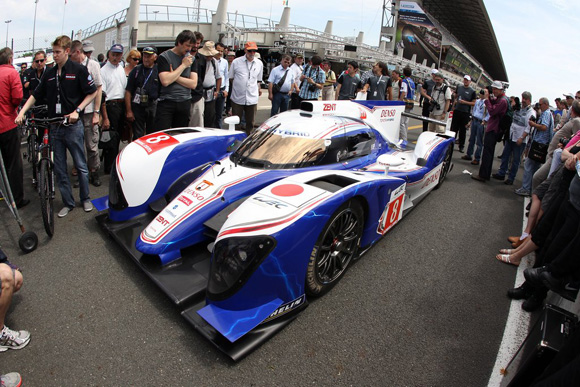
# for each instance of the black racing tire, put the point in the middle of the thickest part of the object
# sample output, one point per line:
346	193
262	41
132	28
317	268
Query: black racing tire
28	242
45	190
335	248
446	166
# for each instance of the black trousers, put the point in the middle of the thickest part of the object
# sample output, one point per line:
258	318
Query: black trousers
460	119
171	114
209	114
144	119
116	115
489	142
10	147
425	113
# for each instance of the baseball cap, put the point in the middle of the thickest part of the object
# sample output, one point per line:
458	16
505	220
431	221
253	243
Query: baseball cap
497	85
434	71
231	53
467	77
568	95
117	48
251	46
88	46
149	50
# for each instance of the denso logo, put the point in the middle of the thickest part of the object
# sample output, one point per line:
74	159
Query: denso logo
431	179
329	107
388	113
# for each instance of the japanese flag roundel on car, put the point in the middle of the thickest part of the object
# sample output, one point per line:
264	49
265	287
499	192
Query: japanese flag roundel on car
287	190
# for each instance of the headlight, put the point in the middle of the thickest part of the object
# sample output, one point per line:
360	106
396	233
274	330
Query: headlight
117	199
233	261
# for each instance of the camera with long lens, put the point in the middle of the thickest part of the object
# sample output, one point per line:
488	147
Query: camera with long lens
312	88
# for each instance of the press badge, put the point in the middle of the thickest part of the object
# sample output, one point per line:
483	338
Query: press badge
375	93
58	108
137	97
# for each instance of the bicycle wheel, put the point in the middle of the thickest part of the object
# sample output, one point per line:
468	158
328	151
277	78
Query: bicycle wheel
45	190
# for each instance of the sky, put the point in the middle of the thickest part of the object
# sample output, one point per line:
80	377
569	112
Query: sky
532	35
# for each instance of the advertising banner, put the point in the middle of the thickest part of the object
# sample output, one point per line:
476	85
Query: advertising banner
416	34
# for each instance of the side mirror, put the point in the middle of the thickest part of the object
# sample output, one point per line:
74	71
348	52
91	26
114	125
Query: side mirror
232	122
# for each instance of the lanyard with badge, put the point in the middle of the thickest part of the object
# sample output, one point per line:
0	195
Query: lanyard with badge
249	84
58	109
141	96
378	85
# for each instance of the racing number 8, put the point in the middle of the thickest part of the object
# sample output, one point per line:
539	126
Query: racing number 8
157	139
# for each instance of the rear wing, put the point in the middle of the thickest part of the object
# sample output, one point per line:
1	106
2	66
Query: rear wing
384	116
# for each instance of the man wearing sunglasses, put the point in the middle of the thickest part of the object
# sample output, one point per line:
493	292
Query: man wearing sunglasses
33	75
569	100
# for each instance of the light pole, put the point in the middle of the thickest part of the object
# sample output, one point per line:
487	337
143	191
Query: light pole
7	24
34	25
155	12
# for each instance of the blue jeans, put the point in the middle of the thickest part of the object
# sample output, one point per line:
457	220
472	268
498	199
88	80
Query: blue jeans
530	167
511	148
279	102
72	138
475	138
219	110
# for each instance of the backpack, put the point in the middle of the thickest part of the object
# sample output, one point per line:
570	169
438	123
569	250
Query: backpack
410	97
506	121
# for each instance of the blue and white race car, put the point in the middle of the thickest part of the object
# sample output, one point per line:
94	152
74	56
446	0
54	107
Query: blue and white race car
259	226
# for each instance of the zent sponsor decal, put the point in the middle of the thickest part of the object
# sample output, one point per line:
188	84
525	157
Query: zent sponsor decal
329	107
155	142
391	215
164	222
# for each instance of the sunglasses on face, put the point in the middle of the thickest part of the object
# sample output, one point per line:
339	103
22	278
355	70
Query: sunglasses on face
135	59
577	97
39	61
251	50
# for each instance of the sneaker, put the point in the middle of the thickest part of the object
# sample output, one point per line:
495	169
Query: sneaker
10	339
522	192
64	212
13	379
88	206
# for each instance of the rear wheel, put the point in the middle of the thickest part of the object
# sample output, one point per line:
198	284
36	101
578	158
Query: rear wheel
336	246
446	165
45	188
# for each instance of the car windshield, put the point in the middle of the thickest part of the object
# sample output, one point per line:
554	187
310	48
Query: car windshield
274	149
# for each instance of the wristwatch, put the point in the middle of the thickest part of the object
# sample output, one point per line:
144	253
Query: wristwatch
98	112
79	111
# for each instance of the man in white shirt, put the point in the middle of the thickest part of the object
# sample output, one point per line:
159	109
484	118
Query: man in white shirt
113	111
246	73
225	88
297	68
280	85
91	115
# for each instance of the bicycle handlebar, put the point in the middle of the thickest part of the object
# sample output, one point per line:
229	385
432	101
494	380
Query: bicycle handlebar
48	121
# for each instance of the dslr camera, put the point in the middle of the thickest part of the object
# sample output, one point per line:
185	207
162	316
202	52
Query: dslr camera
434	105
312	88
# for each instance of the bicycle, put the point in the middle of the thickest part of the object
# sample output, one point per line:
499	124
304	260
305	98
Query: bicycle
32	142
43	167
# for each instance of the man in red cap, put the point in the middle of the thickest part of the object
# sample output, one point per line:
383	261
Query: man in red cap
246	73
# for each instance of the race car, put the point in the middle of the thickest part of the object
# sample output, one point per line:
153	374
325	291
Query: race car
273	220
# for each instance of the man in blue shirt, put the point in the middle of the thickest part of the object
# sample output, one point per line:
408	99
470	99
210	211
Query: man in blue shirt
543	130
479	117
312	80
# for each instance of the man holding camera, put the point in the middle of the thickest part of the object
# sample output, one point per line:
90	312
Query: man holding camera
312	80
439	101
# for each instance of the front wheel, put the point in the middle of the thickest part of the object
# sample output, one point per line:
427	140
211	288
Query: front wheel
446	165
45	188
335	248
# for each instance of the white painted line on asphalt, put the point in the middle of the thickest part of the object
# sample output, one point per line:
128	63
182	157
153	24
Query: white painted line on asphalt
517	324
